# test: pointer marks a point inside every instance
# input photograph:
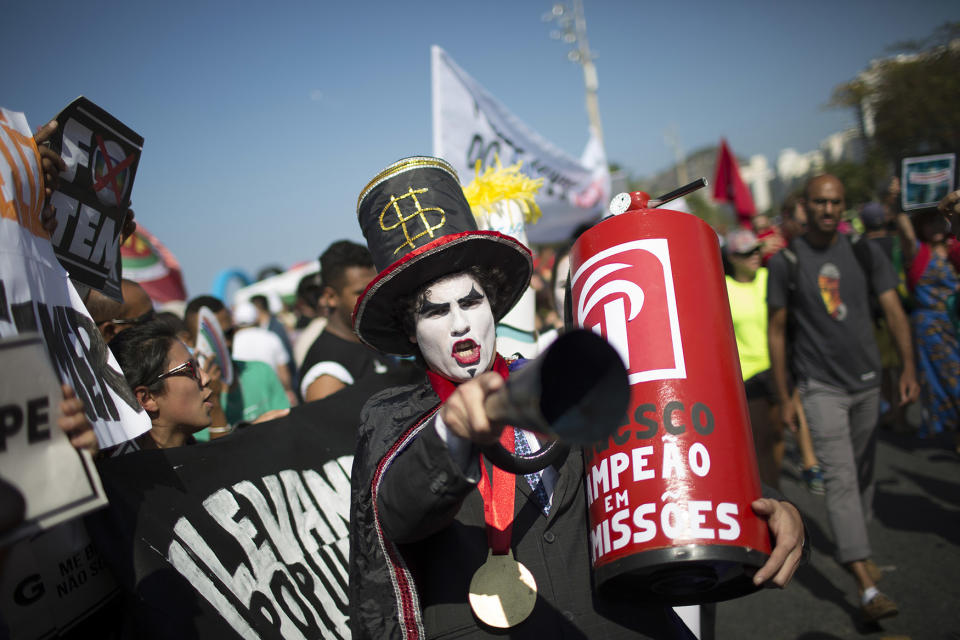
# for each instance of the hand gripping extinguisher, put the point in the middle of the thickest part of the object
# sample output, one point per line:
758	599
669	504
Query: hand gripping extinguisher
669	492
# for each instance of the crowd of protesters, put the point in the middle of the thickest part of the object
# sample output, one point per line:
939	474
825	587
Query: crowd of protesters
791	285
824	342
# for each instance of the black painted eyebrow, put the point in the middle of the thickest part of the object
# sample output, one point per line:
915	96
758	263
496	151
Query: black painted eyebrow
428	306
473	296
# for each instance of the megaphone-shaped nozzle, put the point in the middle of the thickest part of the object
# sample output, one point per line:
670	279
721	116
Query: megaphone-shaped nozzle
577	391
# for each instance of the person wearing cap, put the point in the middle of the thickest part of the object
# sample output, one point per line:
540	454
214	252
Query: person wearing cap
430	521
747	290
266	319
878	229
251	342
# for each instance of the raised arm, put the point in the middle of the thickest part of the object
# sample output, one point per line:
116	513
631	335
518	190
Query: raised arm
908	237
950	207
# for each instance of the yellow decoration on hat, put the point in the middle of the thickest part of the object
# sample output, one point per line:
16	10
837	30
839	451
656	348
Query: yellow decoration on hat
500	183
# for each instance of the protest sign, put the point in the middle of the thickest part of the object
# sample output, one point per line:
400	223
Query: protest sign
57	481
56	585
469	124
925	180
101	154
246	536
211	343
36	295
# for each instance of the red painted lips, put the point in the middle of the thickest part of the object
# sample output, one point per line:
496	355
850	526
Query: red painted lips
466	352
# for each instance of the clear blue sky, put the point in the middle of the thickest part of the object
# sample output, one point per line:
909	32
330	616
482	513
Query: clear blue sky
264	120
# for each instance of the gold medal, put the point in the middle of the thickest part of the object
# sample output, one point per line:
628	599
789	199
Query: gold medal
502	591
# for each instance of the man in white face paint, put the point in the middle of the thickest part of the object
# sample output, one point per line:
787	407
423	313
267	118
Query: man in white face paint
435	528
455	330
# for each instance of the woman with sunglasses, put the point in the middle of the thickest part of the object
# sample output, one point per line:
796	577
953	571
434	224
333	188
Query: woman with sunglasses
167	383
747	290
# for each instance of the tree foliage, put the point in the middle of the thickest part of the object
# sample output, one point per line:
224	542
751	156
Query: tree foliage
917	104
914	98
941	37
862	181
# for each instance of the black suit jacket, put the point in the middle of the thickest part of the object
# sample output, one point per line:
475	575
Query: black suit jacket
419	535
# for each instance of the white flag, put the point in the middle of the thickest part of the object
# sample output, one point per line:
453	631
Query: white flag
470	124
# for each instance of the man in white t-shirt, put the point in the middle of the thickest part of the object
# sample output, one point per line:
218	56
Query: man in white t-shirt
251	342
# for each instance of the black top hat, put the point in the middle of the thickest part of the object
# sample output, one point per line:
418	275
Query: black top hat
419	228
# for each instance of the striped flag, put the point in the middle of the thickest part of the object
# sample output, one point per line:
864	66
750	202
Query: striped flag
147	261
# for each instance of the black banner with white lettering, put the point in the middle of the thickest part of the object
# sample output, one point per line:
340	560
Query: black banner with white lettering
246	536
101	154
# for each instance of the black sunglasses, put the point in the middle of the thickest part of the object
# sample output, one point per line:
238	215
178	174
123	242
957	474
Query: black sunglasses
746	254
190	369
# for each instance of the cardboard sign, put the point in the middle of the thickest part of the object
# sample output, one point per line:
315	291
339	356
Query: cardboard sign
58	482
37	296
53	583
101	154
211	343
926	180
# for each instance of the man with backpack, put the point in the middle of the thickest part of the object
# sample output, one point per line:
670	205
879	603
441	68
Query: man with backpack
821	285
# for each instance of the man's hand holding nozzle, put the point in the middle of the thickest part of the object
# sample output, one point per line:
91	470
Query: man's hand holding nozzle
464	414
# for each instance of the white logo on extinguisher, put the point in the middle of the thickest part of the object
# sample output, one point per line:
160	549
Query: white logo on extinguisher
626	294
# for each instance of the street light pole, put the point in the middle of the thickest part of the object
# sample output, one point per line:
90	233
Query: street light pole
670	136
575	32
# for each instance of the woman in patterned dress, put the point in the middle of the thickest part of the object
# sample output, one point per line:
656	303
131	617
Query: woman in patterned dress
933	284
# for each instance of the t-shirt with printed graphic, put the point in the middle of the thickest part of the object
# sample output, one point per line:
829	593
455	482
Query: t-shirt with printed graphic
344	360
832	329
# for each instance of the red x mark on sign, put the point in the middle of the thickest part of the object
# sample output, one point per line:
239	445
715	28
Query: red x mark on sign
112	171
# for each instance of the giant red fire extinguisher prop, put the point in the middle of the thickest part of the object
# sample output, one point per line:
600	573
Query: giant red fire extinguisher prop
669	493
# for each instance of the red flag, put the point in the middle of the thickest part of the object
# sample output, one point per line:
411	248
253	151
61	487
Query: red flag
729	187
148	262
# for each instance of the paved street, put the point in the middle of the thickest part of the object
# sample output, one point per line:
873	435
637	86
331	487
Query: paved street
915	536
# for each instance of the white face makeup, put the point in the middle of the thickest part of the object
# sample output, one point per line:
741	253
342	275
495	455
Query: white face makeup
455	329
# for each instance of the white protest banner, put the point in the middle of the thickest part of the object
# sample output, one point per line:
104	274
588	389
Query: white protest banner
36	295
57	481
101	154
469	124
